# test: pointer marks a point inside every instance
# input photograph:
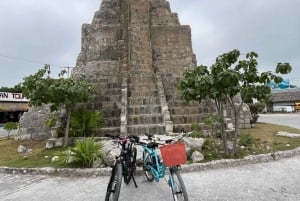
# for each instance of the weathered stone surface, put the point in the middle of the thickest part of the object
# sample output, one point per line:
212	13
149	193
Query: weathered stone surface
54	142
140	48
194	143
197	157
32	123
21	149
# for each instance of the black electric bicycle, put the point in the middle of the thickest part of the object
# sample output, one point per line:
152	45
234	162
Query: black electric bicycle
125	165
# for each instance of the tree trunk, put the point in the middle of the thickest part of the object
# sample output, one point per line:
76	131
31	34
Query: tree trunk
236	130
219	105
236	123
66	141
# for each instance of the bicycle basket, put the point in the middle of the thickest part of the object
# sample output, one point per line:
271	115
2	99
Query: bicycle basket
173	154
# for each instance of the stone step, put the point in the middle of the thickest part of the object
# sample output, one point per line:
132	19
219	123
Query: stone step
144	119
177	128
187	118
155	129
143	93
112	122
144	109
185	110
142	86
109	130
143	101
180	103
140	78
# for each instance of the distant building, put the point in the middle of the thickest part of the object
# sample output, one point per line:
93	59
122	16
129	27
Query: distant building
12	106
287	100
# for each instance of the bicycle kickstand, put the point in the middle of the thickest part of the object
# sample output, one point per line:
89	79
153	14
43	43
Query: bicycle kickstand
133	179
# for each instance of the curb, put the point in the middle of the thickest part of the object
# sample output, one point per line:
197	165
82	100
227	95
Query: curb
96	172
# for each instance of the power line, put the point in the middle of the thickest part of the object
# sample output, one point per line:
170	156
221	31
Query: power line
21	59
26	60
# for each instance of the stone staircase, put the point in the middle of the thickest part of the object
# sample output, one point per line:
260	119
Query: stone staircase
184	113
144	112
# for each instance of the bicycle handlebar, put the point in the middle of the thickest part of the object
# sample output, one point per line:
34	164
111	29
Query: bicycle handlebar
131	137
153	143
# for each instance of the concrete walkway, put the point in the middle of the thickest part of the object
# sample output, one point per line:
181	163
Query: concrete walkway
285	119
272	181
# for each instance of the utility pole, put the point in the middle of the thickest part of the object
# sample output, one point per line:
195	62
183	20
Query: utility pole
68	69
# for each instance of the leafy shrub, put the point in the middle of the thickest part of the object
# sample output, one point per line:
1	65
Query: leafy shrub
255	109
195	127
51	122
84	153
84	122
10	126
246	140
208	144
195	134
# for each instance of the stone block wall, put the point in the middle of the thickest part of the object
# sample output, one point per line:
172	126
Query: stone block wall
147	42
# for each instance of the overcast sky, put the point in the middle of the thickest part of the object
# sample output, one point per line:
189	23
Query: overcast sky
38	32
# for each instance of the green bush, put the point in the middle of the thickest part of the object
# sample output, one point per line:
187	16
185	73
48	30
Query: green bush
83	154
195	134
10	126
255	109
51	122
84	122
246	140
195	127
208	144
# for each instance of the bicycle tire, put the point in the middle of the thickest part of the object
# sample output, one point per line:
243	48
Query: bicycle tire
114	185
129	166
147	171
178	191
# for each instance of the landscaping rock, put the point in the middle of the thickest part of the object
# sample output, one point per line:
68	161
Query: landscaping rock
194	143
197	157
22	149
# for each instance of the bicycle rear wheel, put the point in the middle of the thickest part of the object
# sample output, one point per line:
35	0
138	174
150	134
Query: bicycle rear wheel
129	166
147	162
177	186
114	185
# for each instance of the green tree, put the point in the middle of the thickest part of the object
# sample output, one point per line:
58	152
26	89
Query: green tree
85	122
9	126
227	78
16	89
41	89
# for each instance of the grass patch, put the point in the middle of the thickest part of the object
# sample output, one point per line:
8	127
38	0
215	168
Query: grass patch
265	139
259	139
39	157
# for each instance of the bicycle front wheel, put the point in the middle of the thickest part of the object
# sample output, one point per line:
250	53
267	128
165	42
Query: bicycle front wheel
114	185
147	160
177	186
129	166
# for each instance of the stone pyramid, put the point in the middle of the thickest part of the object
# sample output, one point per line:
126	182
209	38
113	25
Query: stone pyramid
135	52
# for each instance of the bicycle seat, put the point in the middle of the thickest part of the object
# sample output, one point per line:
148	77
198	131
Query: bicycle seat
152	145
134	137
150	136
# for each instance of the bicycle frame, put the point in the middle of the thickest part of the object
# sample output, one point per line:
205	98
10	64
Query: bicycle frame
155	169
158	169
171	179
